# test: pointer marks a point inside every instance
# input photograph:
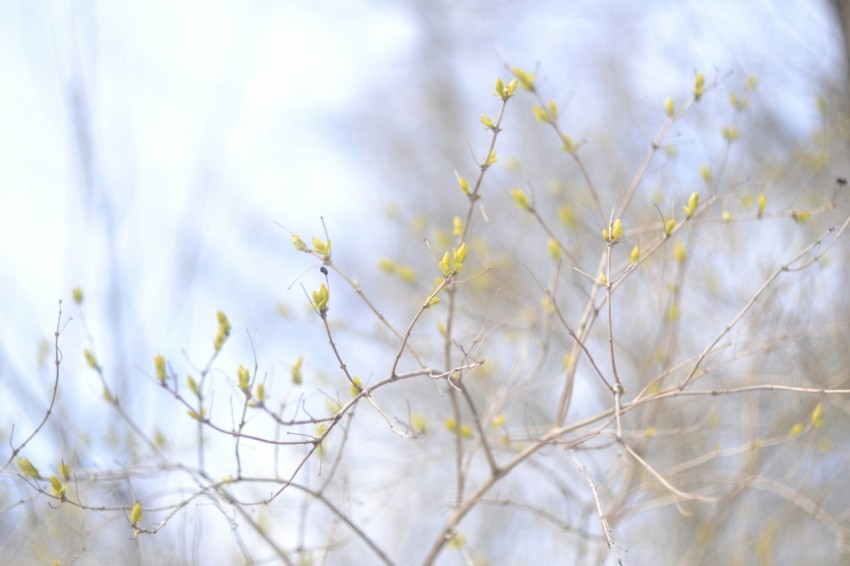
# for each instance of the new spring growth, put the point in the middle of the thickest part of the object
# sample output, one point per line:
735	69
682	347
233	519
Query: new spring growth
491	159
223	330
693	204
356	386
669	107
90	359
699	86
669	226
457	226
634	255
817	416
159	363
521	199
323	249
505	91
64	471
463	184
679	252
762	203
28	469
567	144
297	376
525	78
801	217
616	232
299	244
77	295
193	385
244	380
136	514
731	133
57	487
488	122
451	264
320	300
554	249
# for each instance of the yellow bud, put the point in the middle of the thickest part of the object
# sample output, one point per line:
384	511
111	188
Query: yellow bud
464	184
136	514
432	301
28	469
602	279
699	86
244	378
77	295
386	265
441	328
649	431
752	83
222	319
297	377
260	393
552	109
673	313
669	107
521	199
320	299
466	431
817	416
730	133
500	88
64	471
539	114
526	79
705	173
457	541
634	255
356	386
445	265
796	430
195	415
568	144
418	423
554	249
679	252
459	256
726	216
567	217
510	89
457	226
322	248
90	359
693	204
58	488
488	123
450	424
801	217
159	363
491	159
193	385
762	203
497	421
617	230
669	226
299	244
406	273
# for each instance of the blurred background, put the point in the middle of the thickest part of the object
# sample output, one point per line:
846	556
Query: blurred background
159	156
